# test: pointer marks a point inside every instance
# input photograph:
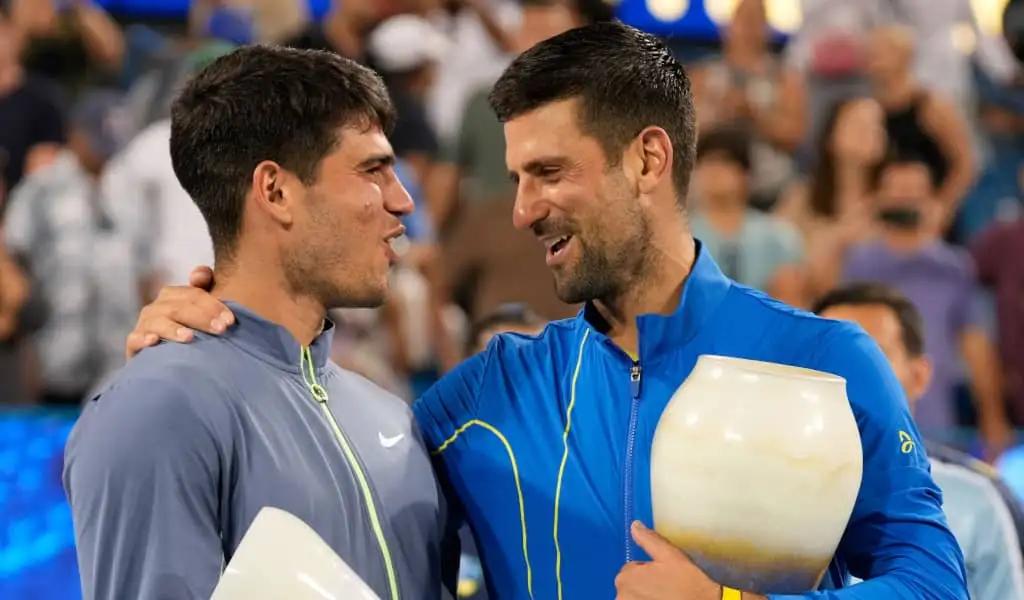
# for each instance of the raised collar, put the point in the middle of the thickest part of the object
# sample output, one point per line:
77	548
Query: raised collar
274	343
704	289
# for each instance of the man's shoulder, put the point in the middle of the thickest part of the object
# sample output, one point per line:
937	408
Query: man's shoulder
172	372
749	307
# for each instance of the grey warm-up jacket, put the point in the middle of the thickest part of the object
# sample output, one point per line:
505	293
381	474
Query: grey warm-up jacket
166	469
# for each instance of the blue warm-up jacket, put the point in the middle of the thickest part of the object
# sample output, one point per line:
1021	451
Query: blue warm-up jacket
545	442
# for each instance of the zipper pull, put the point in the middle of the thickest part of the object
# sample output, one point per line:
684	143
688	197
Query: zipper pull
634	380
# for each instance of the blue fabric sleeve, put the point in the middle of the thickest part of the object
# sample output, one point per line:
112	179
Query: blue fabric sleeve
142	470
897	539
451	402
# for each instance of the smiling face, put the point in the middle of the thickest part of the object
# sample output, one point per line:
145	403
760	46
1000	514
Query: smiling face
338	249
582	208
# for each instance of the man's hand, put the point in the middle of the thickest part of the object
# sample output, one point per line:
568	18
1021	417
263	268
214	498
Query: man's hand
669	576
177	311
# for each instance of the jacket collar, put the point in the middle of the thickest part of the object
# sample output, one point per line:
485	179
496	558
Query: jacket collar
704	289
274	343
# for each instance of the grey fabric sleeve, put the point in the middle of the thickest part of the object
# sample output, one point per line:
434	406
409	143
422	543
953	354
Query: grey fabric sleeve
142	471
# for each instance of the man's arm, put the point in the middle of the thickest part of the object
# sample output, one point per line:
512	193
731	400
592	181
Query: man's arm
983	368
142	470
897	539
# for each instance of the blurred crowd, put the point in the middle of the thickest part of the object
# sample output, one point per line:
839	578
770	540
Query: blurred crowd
883	141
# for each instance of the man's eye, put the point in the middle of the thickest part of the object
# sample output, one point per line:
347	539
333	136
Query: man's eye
550	173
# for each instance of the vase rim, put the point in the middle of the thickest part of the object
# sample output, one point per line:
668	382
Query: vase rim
773	369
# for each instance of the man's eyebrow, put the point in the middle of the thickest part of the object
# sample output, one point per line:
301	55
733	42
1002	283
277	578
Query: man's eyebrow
383	159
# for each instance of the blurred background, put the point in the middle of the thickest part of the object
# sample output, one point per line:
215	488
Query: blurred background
799	102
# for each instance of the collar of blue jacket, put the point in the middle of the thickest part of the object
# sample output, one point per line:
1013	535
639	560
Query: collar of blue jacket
703	292
273	343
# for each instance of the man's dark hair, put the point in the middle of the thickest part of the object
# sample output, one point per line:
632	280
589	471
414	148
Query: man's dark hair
731	142
625	79
265	103
871	294
512	314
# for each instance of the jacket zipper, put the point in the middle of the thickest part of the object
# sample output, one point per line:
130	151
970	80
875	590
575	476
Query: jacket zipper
634	385
320	395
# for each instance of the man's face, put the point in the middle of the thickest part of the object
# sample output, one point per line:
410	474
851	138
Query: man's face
720	179
582	209
339	248
882	324
905	196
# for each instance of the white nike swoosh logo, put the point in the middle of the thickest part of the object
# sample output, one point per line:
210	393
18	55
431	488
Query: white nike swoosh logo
389	442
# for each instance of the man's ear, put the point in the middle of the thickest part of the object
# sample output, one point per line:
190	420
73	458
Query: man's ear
272	191
649	158
921	370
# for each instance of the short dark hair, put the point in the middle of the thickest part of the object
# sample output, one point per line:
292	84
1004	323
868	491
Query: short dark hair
902	158
870	293
511	314
731	142
626	80
265	103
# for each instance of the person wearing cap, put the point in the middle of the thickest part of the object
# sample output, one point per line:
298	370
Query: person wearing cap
62	225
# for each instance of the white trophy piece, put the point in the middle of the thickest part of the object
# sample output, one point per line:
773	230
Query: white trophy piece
755	468
281	557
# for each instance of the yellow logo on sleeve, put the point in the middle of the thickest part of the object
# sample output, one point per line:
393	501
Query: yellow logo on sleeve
906	443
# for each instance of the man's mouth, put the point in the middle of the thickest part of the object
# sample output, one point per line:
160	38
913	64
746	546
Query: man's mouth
556	246
396	244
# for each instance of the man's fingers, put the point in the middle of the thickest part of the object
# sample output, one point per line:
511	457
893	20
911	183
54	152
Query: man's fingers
201	277
656	546
164	328
203	313
137	342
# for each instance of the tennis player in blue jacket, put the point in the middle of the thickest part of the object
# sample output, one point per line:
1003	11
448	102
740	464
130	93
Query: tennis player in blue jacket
544	442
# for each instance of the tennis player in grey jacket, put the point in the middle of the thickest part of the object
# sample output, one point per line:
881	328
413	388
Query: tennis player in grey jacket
285	153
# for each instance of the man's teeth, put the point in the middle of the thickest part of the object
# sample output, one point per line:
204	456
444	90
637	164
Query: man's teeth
558	242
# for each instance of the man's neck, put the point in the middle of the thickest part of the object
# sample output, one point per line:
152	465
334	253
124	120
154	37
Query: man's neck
269	298
905	241
658	292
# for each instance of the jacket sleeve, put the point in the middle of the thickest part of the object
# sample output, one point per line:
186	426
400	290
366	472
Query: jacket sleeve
141	474
897	540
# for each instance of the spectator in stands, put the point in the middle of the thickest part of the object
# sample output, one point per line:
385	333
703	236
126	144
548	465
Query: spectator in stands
31	123
273	21
481	43
512	317
939	279
152	201
749	87
752	248
999	255
920	121
474	170
983	514
61	226
74	42
406	50
832	209
344	29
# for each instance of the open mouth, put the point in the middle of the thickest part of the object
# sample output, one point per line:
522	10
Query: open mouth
556	246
